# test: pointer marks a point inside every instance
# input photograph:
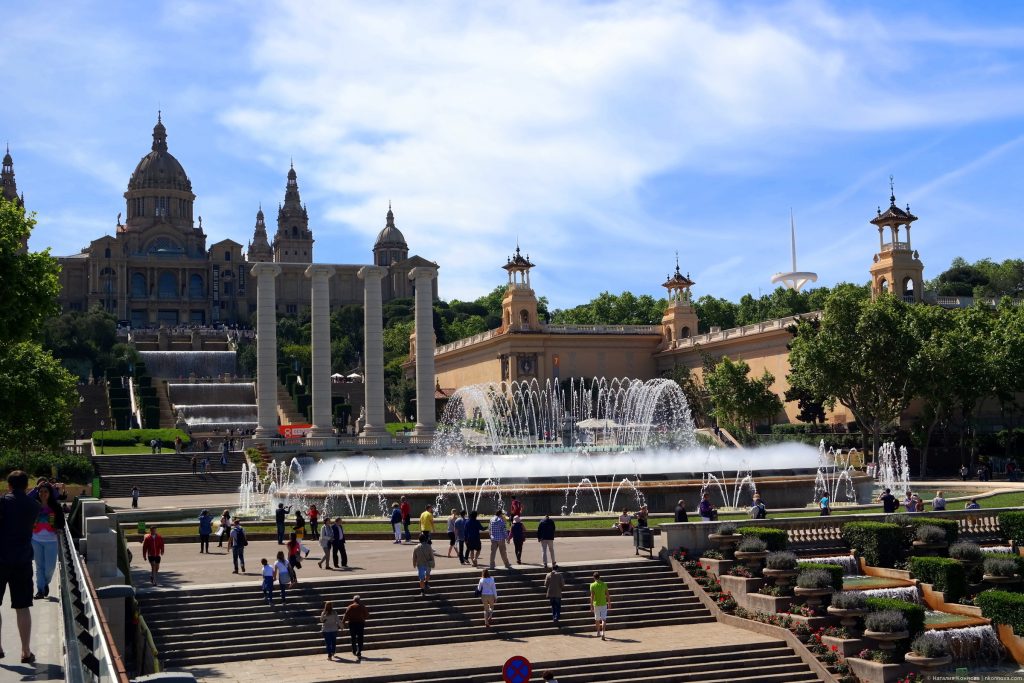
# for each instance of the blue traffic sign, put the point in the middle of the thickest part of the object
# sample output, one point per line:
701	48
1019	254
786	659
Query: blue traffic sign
517	670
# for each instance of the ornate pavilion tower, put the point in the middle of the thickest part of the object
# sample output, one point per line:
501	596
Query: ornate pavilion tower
680	319
896	266
259	248
10	187
293	242
519	306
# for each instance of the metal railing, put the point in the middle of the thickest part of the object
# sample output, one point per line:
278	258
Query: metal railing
90	654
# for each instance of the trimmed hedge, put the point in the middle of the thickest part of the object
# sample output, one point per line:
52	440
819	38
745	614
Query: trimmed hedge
1012	525
880	544
1003	607
913	612
948	576
70	467
776	539
950	526
138	437
834	569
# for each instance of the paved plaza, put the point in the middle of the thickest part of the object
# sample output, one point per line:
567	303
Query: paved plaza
47	640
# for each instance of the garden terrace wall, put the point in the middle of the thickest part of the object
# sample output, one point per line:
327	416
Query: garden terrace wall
813	532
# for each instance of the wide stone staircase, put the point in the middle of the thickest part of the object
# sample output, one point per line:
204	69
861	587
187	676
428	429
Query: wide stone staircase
210	625
167	474
760	662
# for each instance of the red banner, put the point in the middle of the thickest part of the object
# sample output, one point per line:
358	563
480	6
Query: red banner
293	431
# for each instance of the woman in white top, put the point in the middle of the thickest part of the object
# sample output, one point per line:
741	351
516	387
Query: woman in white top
488	594
329	627
281	574
326	537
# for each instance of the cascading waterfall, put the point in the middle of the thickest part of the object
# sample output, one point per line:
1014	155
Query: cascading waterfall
184	364
849	563
221	405
907	593
970	645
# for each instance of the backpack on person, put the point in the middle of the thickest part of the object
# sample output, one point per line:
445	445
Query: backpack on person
240	540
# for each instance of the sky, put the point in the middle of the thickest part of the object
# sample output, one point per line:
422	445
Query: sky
601	137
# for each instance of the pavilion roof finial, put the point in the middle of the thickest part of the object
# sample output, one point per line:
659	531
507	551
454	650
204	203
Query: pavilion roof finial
892	191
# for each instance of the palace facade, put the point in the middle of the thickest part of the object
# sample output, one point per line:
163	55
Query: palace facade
157	269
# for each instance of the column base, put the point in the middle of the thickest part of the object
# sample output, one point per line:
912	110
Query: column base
265	433
320	432
373	431
423	430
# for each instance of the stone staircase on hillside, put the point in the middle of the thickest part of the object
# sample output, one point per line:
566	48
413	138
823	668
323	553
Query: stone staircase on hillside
93	406
760	662
287	412
167	417
202	626
167	474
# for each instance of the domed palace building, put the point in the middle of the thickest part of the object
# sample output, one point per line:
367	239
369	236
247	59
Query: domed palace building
158	271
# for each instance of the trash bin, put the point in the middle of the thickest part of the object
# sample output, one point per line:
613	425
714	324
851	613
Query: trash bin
643	539
142	528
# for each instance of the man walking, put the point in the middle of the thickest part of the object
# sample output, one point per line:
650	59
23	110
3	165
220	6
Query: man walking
546	536
460	536
427	522
279	517
135	496
355	618
423	561
237	542
406	517
18	514
554	582
499	538
153	550
338	543
600	601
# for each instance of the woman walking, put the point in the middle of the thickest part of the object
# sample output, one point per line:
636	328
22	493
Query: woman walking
329	627
488	591
451	530
473	529
517	534
396	521
282	572
294	561
205	529
224	529
326	539
44	537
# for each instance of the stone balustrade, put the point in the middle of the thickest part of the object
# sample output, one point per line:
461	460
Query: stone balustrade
826	532
747	330
602	329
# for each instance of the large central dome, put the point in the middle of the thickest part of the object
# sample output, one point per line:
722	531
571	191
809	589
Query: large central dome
159	170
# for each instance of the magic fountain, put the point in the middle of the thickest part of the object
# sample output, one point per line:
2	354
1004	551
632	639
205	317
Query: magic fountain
575	447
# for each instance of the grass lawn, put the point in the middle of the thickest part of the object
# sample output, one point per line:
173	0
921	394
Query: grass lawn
125	450
394	427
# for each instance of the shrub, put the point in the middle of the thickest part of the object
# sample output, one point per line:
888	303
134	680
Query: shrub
965	551
932	535
929	647
70	467
947	575
814	578
913	613
879	543
834	571
951	526
1012	525
752	544
712	554
998	566
776	539
889	621
1005	556
1003	607
781	559
849	600
727	529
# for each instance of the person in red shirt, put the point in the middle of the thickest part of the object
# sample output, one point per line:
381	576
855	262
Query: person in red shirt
314	520
406	517
515	508
152	550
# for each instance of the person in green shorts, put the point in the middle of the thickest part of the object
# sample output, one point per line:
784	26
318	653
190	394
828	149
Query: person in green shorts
600	601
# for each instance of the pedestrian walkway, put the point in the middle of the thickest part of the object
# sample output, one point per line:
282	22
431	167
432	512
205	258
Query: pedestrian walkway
47	641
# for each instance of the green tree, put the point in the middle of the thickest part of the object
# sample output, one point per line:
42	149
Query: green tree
738	400
37	395
860	355
29	282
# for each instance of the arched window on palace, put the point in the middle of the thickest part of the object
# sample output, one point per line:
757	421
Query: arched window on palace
167	286
139	285
195	286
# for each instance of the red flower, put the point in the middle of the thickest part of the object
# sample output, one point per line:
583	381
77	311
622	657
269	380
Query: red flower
835	648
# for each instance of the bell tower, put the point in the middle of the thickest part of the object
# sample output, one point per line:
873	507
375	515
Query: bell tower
519	307
293	242
896	268
680	319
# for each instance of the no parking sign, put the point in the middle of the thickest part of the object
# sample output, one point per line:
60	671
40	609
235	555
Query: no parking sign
517	670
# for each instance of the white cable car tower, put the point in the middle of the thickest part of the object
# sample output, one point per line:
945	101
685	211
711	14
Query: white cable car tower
796	279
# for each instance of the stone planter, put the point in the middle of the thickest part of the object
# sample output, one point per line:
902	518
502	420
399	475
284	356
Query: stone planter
780	577
1000	580
812	596
849	618
847	647
740	585
868	671
768	603
886	639
752	560
922	548
725	542
927	665
717	567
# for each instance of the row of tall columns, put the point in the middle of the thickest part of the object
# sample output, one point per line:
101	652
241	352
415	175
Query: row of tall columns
423	276
373	350
266	350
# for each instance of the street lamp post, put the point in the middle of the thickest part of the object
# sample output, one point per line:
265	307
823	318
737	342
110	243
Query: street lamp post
102	435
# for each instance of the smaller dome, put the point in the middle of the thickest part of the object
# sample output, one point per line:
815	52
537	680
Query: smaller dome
390	236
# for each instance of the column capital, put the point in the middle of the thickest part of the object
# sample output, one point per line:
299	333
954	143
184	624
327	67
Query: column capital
318	270
372	272
260	269
423	273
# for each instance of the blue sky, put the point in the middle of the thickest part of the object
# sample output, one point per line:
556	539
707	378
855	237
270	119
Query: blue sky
602	136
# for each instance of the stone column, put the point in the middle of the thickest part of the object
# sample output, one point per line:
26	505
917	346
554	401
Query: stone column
266	349
373	350
320	318
423	276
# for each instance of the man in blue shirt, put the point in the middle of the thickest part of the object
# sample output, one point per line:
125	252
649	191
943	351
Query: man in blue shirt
499	538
